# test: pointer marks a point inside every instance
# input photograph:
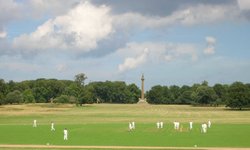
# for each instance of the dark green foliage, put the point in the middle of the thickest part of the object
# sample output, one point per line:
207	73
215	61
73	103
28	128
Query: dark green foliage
14	97
239	96
62	99
204	95
42	90
80	78
28	96
114	92
185	97
159	95
222	92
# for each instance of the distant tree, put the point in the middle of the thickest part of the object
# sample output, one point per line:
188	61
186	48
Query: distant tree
62	99
185	97
80	79
86	96
174	91
3	87
159	95
2	101
204	95
239	96
3	91
72	90
28	96
204	83
222	92
134	93
14	97
11	86
40	93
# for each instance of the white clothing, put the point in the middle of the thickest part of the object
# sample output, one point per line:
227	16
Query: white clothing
130	126
158	125
34	123
133	125
190	125
52	126
65	134
209	124
176	125
204	128
161	124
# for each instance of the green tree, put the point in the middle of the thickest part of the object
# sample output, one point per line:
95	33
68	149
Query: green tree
28	96
80	79
62	99
3	91
222	92
14	97
239	96
174	91
204	95
2	101
134	93
185	97
40	94
159	95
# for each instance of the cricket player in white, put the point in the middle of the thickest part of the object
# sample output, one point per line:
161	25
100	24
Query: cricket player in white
34	123
133	125
161	125
178	125
175	126
158	125
209	124
130	127
52	126
65	134
190	125
204	128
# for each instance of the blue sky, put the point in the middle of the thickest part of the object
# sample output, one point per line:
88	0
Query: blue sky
179	42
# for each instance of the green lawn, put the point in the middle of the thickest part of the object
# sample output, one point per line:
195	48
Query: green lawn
108	125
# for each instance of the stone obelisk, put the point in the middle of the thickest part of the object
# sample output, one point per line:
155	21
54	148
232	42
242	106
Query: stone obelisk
142	100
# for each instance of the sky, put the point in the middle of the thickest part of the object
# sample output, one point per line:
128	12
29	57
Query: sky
171	42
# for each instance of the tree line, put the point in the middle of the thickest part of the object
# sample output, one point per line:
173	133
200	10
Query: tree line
67	91
236	95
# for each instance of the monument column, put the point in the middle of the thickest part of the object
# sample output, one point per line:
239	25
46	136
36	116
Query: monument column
142	87
142	100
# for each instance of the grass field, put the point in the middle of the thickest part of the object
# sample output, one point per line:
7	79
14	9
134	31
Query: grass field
107	125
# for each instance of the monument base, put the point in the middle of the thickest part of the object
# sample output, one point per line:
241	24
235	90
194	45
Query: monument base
142	101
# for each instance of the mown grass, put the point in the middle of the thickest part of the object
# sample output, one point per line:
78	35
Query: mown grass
220	135
107	124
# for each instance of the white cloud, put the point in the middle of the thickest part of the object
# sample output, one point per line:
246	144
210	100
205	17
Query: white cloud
244	4
210	49
131	63
3	34
53	7
134	56
9	10
61	68
199	14
80	29
210	40
202	14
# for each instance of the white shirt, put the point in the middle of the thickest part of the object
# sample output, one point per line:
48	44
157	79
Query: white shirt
65	132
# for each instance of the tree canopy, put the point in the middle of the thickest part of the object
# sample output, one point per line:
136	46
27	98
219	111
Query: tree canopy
235	95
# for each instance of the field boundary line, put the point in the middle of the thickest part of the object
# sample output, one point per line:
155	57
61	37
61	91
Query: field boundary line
115	147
